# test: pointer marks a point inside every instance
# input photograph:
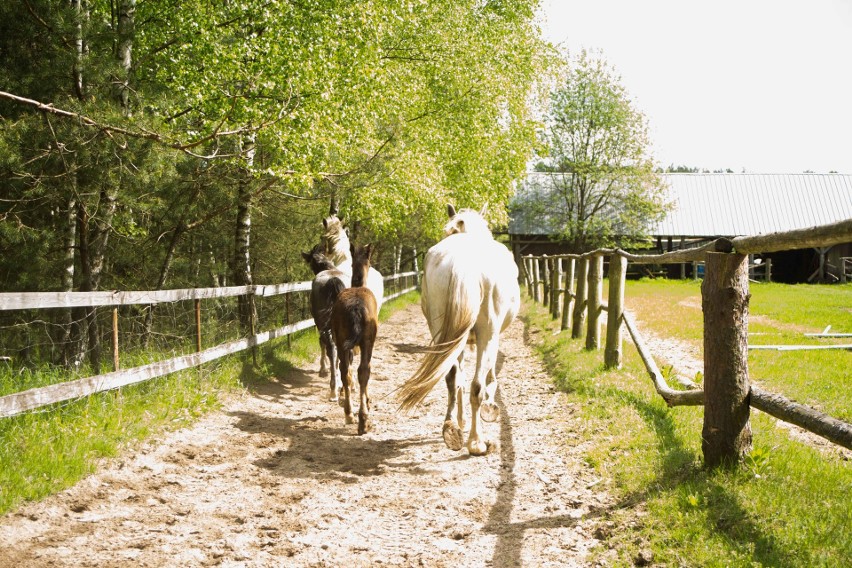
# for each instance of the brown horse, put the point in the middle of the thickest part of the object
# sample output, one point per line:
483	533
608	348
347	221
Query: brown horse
355	324
327	284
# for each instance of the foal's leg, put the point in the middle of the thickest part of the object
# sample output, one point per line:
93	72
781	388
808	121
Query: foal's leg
328	347
346	375
323	356
364	422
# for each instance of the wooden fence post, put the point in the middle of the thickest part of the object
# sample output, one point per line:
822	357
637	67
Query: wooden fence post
580	299
726	435
555	286
536	295
568	295
615	309
545	281
197	325
528	270
595	292
115	363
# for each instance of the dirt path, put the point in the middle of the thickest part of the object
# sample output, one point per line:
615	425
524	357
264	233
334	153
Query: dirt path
278	479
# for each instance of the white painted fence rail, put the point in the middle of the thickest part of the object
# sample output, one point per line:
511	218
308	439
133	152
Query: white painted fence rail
31	399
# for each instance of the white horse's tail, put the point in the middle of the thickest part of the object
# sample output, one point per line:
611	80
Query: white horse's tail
459	318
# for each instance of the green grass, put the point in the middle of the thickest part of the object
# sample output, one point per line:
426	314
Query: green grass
47	450
779	314
788	504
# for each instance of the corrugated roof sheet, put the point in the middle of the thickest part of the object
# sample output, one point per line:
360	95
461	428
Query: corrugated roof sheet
707	205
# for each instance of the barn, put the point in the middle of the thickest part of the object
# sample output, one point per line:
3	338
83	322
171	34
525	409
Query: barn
706	206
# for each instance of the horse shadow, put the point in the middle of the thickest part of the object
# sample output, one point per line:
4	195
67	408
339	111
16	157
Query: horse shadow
317	449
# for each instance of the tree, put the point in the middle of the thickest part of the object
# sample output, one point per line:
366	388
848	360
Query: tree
604	187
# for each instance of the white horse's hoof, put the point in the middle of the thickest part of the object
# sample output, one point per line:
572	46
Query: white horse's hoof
453	436
489	412
479	447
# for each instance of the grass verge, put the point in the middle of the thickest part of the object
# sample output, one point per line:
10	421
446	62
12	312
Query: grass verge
786	505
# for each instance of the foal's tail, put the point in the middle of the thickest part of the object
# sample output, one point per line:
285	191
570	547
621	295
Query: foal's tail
460	312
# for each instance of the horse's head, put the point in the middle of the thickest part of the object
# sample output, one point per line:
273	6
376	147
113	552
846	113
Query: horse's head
360	263
335	241
466	221
317	260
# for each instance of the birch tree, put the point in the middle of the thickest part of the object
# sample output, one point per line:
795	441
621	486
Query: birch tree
602	174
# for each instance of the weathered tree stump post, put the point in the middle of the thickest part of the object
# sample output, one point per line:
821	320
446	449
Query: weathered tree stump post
613	352
580	299
528	274
568	300
726	435
555	286
536	294
595	292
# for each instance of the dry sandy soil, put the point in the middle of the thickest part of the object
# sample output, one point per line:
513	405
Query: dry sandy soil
277	479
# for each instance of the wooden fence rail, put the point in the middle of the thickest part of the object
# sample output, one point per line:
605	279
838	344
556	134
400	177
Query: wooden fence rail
727	394
31	399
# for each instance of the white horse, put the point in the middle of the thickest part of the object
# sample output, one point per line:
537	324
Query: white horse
470	293
337	249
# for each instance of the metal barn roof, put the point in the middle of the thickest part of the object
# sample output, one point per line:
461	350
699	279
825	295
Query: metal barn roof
753	204
707	205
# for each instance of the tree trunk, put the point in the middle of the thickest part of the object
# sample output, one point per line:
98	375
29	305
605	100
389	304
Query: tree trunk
242	240
80	15
126	30
69	250
726	435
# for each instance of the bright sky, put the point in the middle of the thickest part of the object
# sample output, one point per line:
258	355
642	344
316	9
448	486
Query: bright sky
763	86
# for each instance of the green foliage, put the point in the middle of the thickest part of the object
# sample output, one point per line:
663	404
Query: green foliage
603	181
395	106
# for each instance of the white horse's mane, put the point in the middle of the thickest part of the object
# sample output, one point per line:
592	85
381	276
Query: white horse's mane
336	240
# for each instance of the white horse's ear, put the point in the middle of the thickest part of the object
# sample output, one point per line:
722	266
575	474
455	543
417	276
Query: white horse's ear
451	211
483	210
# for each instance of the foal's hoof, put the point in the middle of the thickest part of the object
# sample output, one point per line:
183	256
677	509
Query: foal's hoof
364	425
323	372
489	412
350	419
453	436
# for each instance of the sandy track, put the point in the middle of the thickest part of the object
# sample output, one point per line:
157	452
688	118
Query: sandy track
278	479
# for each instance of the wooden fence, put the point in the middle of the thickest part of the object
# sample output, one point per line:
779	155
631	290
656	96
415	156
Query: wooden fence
17	403
727	394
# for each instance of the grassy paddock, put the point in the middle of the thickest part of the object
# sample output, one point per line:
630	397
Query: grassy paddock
787	505
47	450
